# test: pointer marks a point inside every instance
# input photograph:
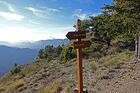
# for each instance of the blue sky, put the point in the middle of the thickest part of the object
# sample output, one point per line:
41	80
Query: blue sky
32	20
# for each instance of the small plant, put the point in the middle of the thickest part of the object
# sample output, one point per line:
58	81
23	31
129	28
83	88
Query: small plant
2	88
34	80
94	67
16	69
51	88
67	88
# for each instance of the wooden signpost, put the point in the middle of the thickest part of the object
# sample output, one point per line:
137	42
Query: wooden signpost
79	45
76	35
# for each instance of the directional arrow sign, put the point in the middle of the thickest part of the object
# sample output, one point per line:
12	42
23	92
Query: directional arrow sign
76	35
82	44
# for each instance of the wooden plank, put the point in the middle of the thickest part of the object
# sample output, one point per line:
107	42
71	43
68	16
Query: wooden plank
82	44
76	35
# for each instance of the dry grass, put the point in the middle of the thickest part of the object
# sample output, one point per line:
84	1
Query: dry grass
116	59
11	86
52	87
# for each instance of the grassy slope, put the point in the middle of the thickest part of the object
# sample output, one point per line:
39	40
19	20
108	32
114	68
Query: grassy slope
56	76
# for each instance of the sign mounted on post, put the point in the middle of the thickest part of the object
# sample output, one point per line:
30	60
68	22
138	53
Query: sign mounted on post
82	44
79	44
76	35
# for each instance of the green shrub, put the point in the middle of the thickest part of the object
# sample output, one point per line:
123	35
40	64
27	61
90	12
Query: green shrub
49	52
94	67
41	53
86	52
68	53
117	59
16	69
67	88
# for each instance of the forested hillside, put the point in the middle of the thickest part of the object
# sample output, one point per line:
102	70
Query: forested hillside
108	66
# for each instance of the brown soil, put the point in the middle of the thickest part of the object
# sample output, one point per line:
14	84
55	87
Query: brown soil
125	79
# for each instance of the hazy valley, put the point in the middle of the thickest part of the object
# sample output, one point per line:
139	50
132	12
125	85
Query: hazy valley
22	53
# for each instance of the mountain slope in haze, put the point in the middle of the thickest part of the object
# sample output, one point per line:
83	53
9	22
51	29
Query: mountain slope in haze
23	52
38	44
5	43
10	55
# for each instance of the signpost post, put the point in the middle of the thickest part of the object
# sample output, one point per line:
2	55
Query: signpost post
79	45
79	65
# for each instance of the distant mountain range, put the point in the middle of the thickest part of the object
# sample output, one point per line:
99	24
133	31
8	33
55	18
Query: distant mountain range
10	55
23	52
38	44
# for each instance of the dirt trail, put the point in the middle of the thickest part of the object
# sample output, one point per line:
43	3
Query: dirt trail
125	79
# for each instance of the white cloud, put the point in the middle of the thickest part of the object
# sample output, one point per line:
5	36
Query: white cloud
50	9
59	32
11	16
83	15
78	13
34	22
37	12
18	34
10	7
43	12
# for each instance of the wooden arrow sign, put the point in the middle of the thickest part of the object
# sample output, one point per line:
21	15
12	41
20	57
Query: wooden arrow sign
82	44
76	35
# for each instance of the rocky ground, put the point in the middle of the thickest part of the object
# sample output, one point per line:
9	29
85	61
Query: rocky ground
122	79
58	77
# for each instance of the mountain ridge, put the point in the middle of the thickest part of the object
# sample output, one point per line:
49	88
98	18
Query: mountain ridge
37	44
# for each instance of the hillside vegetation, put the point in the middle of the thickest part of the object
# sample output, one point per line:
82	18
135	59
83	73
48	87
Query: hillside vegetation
56	77
106	63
